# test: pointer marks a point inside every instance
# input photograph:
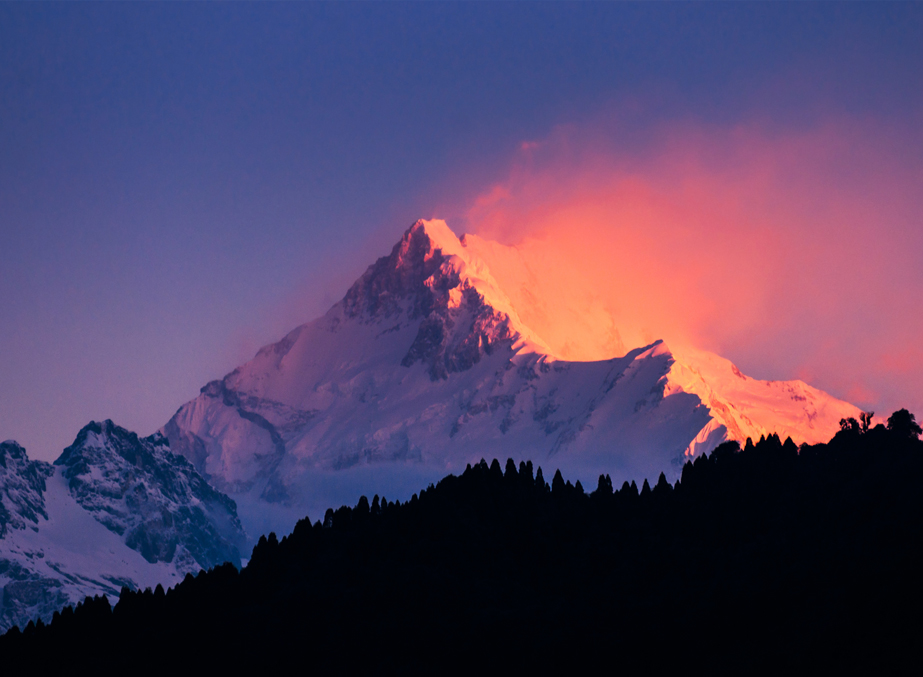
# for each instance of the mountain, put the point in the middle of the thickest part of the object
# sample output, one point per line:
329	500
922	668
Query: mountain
806	560
426	365
114	510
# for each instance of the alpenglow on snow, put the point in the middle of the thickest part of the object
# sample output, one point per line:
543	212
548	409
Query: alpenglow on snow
426	365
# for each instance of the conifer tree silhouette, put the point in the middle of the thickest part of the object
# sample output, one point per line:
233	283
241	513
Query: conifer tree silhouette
557	484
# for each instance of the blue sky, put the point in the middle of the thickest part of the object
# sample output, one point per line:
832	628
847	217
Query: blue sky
182	183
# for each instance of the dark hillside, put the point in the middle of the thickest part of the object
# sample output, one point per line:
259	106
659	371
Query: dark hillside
766	558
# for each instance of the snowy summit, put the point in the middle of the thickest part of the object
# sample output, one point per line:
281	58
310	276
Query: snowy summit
426	365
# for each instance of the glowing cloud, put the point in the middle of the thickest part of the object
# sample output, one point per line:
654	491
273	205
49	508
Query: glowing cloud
794	254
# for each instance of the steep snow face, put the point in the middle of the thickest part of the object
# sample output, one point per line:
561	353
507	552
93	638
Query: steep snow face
426	365
742	407
114	511
571	319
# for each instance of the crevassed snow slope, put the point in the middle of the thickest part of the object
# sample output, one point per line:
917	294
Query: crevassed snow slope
427	364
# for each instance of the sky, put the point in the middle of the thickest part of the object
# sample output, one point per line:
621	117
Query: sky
183	183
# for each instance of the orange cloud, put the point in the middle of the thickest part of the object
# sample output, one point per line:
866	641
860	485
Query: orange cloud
787	252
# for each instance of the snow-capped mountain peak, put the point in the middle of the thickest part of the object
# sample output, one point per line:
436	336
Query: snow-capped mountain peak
426	365
431	274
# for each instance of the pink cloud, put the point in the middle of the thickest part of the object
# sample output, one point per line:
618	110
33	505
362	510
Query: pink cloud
789	252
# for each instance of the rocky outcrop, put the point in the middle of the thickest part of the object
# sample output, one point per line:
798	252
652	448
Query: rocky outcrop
153	498
22	488
422	280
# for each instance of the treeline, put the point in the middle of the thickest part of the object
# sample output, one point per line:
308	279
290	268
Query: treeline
764	558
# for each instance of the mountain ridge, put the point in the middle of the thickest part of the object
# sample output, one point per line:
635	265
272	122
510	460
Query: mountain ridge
426	365
798	556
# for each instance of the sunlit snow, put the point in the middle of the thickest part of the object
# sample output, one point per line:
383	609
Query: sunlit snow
427	365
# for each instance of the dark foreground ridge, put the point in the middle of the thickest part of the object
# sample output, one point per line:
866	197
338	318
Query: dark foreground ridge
766	558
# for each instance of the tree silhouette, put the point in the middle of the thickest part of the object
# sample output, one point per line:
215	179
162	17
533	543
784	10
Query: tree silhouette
903	424
557	483
849	425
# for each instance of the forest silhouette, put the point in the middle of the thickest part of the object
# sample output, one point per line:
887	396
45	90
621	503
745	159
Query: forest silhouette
766	557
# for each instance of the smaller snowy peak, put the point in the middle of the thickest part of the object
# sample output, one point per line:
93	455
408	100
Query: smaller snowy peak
22	488
156	500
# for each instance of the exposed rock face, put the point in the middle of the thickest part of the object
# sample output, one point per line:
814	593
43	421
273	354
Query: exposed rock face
156	500
22	488
402	283
421	282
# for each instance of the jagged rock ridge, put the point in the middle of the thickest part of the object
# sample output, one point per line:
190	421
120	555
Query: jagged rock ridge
155	499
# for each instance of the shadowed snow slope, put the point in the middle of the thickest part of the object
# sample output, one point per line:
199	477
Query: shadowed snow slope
426	365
